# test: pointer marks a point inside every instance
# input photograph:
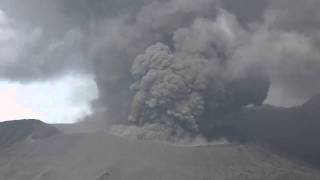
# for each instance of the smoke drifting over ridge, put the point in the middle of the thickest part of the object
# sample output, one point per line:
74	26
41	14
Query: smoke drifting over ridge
172	62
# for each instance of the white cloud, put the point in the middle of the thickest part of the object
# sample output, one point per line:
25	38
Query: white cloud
11	109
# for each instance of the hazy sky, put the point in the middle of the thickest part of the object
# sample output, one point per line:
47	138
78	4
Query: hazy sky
58	101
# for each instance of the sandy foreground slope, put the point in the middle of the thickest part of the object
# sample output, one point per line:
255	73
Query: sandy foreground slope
100	156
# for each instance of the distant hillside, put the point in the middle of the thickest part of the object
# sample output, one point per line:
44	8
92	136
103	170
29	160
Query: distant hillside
294	131
12	132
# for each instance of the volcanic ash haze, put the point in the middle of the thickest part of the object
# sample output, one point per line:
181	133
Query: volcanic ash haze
177	65
181	89
172	70
180	84
187	65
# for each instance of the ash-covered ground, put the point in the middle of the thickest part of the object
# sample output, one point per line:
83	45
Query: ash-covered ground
101	156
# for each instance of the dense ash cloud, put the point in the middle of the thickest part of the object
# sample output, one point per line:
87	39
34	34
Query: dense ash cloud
182	87
129	35
168	61
190	81
167	90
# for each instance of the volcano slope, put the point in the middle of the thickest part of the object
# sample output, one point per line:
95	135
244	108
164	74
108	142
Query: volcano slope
101	156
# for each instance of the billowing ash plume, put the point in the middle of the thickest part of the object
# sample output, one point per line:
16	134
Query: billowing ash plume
182	80
129	35
185	86
168	88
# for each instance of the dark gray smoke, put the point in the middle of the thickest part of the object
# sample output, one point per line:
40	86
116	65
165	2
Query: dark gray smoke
182	80
175	63
184	86
129	35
